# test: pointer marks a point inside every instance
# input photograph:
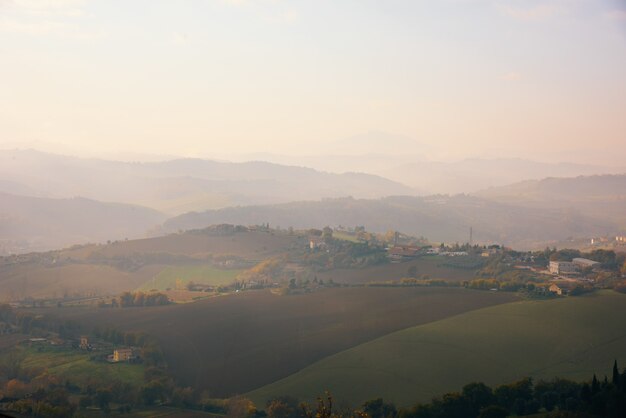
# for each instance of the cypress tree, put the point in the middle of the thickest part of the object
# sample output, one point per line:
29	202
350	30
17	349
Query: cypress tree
616	376
595	385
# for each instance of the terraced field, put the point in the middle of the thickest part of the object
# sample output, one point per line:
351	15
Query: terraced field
571	337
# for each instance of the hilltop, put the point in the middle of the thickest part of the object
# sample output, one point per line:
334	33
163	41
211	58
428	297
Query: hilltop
181	185
440	218
600	196
39	224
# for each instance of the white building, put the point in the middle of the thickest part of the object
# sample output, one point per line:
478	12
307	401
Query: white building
563	267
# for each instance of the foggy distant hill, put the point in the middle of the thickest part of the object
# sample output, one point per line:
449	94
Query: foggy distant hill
439	218
39	224
436	177
599	196
181	185
472	175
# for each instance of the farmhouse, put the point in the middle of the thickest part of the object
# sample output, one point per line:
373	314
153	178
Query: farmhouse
317	243
122	354
561	288
403	252
84	343
563	267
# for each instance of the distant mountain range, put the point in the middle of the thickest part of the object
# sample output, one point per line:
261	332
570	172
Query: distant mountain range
182	185
202	192
436	177
39	224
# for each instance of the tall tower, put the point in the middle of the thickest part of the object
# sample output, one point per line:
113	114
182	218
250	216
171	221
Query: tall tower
471	235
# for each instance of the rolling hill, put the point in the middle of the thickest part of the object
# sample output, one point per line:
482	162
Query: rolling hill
571	338
602	196
40	224
104	269
232	344
181	185
439	218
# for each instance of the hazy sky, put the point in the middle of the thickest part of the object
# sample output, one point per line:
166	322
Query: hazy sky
542	79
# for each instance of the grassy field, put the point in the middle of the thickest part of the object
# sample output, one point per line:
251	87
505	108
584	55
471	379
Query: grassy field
174	276
233	344
20	281
90	269
76	366
345	236
570	337
248	244
427	265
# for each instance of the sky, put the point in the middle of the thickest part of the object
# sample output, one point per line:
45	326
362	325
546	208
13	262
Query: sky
538	79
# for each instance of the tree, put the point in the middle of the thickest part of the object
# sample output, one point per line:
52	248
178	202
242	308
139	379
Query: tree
153	391
240	407
377	408
616	376
283	407
493	411
479	396
103	399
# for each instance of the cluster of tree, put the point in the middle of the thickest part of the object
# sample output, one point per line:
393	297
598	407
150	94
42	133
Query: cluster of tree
343	254
270	269
557	398
34	392
23	322
53	402
140	299
223	230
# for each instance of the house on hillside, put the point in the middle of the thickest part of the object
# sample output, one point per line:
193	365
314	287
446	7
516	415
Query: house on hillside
561	288
121	354
403	252
84	343
563	267
317	243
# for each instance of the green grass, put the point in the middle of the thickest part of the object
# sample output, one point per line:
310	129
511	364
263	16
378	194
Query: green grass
77	367
570	337
345	236
184	274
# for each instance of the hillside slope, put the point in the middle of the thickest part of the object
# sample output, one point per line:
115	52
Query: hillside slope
494	345
233	344
439	218
598	196
39	224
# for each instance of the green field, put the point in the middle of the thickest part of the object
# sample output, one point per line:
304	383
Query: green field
203	274
345	236
76	366
570	337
